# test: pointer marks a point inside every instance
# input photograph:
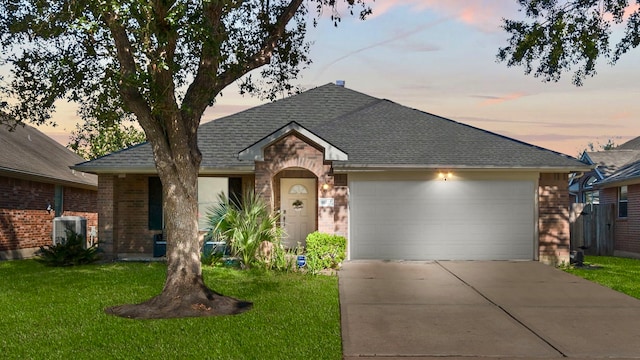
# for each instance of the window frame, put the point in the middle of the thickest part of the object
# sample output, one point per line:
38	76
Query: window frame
623	202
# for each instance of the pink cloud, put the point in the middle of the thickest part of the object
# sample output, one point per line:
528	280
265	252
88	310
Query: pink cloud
621	115
494	100
484	14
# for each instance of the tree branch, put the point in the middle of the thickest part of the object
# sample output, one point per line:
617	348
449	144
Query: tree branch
263	56
131	96
207	84
199	93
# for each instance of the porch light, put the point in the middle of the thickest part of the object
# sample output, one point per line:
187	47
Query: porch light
444	176
325	187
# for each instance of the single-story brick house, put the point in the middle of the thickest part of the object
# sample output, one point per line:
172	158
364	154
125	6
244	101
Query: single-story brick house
615	180
399	183
36	185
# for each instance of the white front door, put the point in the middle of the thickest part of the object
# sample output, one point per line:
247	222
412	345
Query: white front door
298	205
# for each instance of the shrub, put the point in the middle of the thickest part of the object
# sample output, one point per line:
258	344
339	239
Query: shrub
325	251
284	259
71	251
211	257
212	253
244	226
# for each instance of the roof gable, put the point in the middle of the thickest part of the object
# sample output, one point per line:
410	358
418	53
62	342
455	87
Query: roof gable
255	152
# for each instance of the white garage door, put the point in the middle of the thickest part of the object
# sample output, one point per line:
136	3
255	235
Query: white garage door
442	220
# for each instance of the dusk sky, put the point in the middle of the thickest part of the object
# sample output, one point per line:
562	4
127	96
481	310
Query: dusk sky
440	57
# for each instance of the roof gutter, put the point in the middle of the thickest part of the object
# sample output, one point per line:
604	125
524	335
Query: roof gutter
343	168
152	170
24	175
617	183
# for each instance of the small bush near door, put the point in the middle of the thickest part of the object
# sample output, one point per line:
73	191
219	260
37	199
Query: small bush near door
325	251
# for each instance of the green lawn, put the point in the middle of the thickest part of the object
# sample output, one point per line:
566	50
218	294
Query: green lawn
57	313
620	274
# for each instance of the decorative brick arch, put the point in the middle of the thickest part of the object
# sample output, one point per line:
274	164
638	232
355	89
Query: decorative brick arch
295	152
290	152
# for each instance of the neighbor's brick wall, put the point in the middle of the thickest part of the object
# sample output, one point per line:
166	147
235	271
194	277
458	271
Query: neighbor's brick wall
24	221
81	202
291	152
553	218
631	242
627	230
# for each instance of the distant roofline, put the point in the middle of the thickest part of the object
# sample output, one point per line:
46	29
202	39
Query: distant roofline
25	175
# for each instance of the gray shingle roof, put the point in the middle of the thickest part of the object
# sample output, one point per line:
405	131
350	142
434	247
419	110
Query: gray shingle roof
28	153
627	174
609	161
633	144
373	132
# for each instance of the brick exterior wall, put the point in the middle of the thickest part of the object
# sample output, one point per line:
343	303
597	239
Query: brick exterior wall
626	230
292	153
25	223
124	214
131	229
553	218
106	214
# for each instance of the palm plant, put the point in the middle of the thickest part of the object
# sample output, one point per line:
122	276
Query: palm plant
244	225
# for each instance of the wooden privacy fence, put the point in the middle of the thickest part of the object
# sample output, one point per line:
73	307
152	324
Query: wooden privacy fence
592	227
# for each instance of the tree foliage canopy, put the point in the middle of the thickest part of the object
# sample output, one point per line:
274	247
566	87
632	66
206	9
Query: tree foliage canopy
570	35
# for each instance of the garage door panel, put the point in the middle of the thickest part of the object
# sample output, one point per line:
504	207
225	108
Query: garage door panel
437	220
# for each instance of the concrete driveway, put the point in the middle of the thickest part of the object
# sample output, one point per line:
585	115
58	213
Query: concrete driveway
482	309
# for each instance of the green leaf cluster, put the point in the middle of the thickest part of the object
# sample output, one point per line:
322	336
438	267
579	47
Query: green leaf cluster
94	139
325	251
561	36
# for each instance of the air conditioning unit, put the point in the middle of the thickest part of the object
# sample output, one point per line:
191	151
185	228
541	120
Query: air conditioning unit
61	224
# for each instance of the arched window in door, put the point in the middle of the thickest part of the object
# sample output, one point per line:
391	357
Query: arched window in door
298	189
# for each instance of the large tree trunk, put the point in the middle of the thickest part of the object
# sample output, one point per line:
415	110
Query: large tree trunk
184	293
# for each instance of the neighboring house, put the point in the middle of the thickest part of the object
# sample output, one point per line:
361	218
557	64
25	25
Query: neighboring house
606	163
616	180
36	185
399	183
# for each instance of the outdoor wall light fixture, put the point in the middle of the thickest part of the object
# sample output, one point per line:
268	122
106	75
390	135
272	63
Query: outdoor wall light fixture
444	176
325	187
49	207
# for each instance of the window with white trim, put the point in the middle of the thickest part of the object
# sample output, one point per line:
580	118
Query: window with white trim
209	189
622	201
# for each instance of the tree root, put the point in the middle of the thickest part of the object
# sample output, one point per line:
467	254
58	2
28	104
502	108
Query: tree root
199	302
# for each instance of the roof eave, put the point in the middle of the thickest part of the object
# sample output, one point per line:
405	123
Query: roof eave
204	170
407	167
631	180
47	179
115	170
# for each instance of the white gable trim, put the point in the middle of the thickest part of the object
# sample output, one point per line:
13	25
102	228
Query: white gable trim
255	152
